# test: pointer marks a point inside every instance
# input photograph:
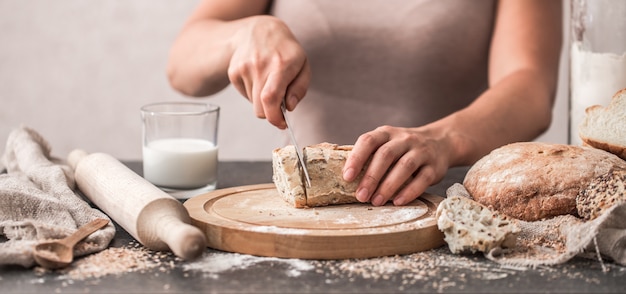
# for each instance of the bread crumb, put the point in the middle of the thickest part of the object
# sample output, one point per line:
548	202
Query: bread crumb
112	261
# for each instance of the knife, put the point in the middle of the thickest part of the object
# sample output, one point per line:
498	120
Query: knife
298	150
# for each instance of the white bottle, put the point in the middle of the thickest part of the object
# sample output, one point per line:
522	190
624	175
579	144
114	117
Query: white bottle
598	56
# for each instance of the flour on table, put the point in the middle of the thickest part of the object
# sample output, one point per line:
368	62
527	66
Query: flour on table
279	230
215	263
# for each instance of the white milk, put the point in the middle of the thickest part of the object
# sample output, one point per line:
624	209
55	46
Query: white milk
180	163
595	78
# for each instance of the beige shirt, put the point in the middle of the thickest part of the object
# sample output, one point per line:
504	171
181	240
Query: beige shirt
375	62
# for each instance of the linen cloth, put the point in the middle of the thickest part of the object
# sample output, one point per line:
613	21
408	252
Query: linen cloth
38	201
559	239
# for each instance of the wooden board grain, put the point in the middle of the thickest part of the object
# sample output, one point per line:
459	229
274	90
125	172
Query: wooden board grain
256	220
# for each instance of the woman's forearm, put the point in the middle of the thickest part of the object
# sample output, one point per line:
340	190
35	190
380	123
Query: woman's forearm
523	75
199	58
200	55
517	108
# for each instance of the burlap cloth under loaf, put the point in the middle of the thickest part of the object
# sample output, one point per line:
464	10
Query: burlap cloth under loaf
38	202
557	240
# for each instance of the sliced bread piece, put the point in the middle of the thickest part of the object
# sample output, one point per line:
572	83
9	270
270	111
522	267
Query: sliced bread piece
605	127
468	226
287	176
601	194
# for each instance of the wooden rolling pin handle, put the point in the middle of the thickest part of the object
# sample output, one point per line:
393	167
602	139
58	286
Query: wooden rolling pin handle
75	157
185	240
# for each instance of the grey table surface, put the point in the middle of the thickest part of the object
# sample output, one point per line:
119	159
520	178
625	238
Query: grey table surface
434	271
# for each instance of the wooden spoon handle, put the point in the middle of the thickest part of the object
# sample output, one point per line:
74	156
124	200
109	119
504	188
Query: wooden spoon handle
84	231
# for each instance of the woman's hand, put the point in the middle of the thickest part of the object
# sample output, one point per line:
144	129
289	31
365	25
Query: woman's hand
414	156
235	42
268	66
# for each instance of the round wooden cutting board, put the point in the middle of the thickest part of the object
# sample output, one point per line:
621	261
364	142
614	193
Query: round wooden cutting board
256	220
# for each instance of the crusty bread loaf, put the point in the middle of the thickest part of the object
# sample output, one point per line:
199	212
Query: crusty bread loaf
287	176
469	226
601	194
605	127
531	180
324	163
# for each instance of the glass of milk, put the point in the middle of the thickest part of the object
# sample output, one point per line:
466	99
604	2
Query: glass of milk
180	147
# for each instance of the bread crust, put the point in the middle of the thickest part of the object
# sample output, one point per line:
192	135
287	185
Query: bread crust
617	150
601	194
532	181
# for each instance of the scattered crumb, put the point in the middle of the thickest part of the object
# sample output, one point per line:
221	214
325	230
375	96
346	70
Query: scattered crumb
112	261
436	269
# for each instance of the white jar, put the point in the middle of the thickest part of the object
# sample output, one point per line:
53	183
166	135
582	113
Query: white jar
598	56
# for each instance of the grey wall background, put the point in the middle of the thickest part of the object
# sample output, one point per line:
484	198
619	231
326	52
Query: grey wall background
78	71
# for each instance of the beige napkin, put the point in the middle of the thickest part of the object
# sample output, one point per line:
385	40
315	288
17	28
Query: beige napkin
38	202
559	239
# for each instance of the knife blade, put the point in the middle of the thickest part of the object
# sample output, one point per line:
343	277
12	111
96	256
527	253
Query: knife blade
295	144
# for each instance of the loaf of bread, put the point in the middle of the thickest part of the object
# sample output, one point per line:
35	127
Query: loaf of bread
469	226
532	181
324	163
601	194
605	127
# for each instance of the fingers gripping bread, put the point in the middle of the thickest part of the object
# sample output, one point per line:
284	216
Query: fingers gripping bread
469	226
324	163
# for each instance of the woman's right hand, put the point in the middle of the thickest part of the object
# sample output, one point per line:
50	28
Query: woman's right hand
268	65
234	42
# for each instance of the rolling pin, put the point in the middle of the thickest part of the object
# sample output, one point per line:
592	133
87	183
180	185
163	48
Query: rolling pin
156	219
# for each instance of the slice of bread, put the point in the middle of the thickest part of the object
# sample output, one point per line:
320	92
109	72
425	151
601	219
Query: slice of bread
605	127
469	226
287	176
601	194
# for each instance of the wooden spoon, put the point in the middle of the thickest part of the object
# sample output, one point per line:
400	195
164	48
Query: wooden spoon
60	253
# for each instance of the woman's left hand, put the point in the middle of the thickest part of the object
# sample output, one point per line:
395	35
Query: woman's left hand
404	162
